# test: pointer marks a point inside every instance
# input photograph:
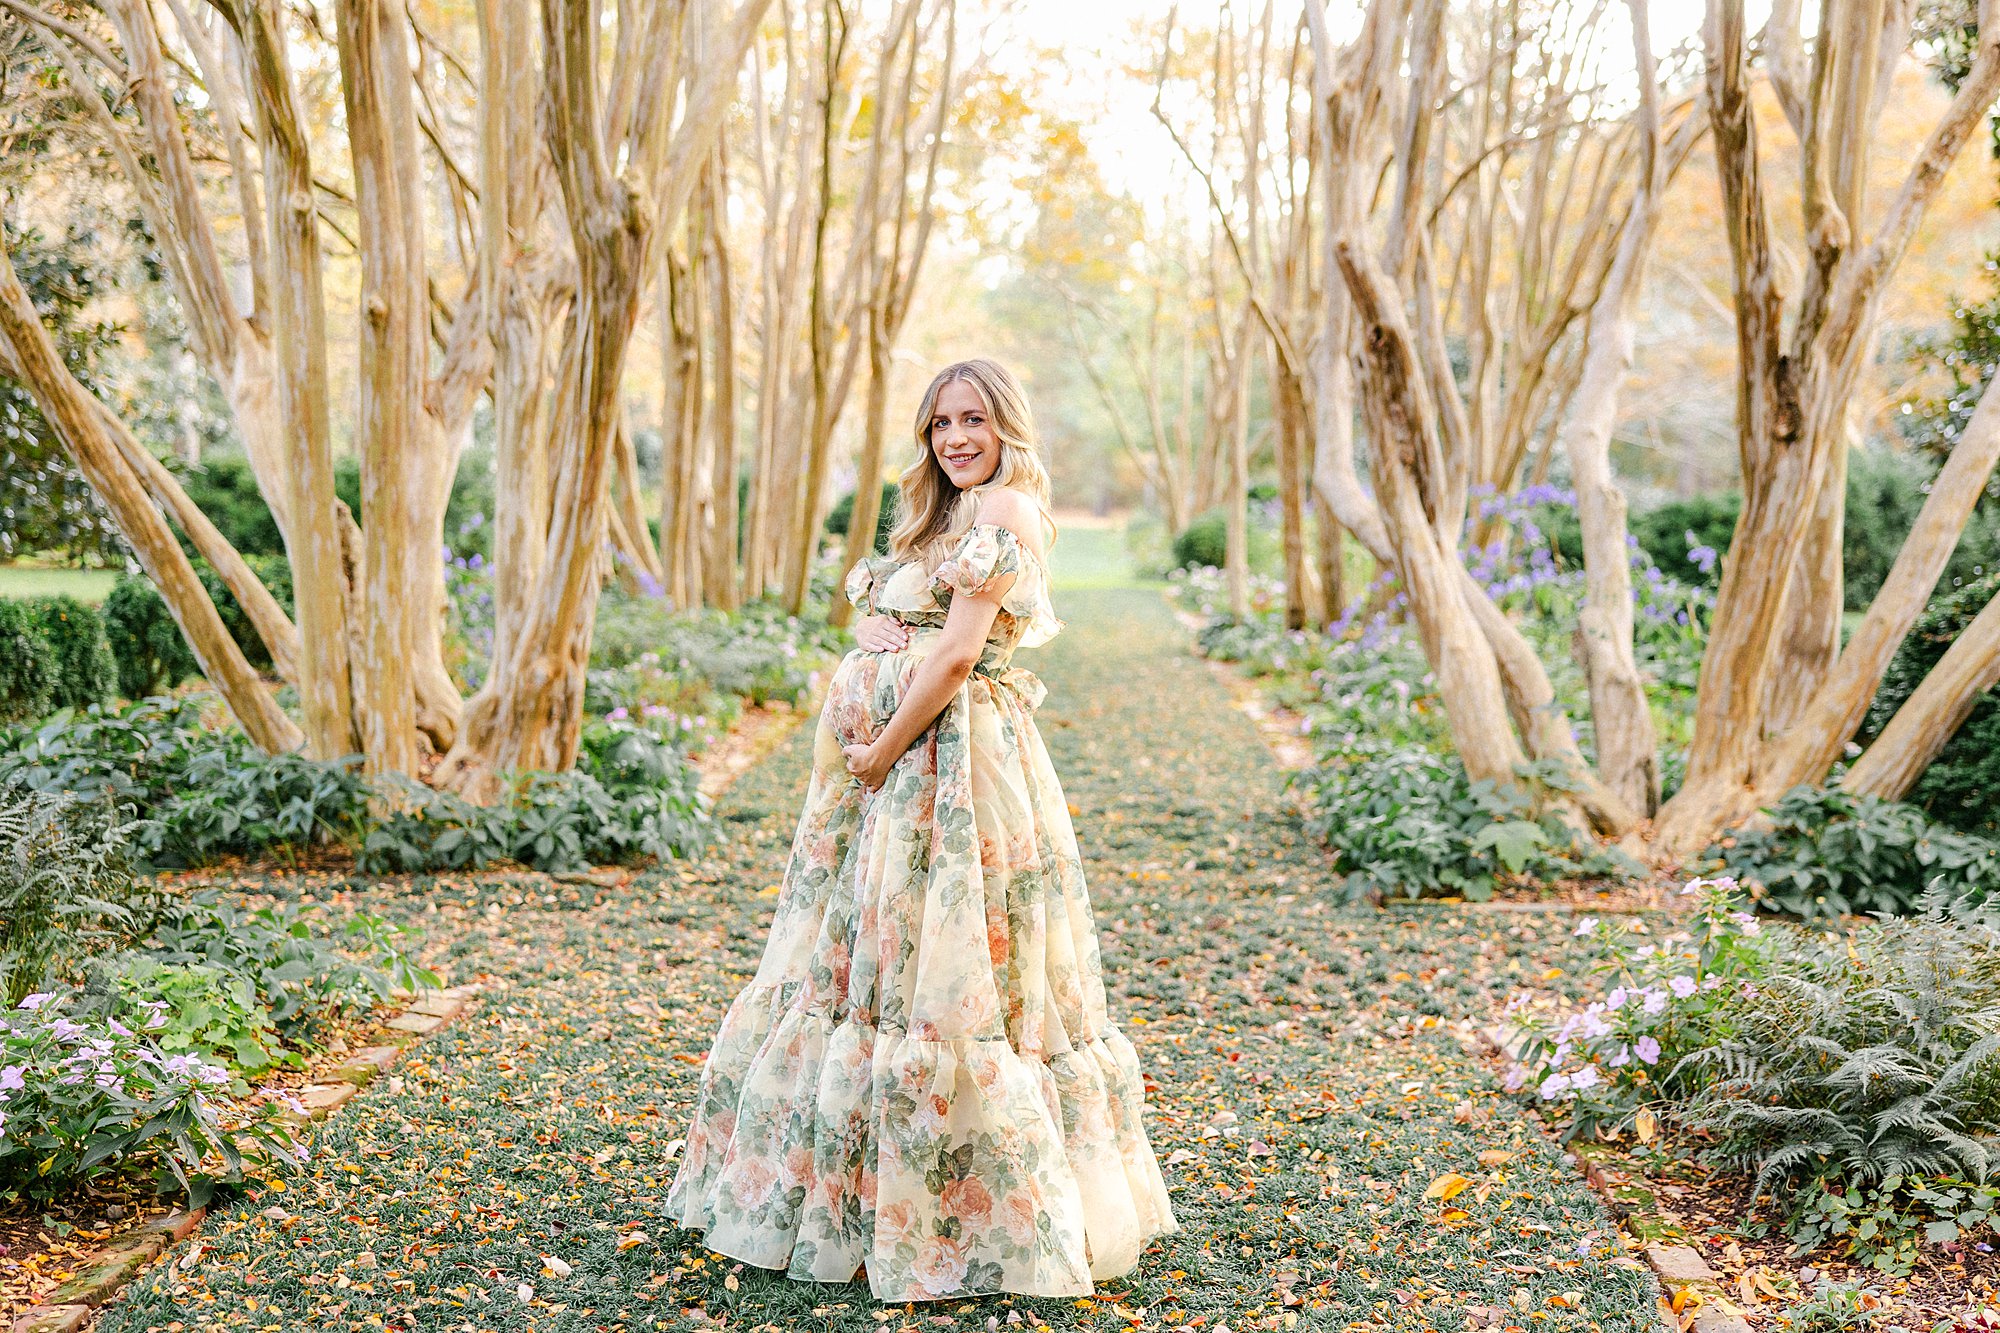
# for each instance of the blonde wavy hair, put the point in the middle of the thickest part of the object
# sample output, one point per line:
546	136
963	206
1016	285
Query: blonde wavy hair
935	513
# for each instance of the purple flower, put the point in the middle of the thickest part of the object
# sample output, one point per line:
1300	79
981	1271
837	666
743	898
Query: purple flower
618	714
1682	986
1648	1050
1554	1086
1587	926
37	1000
11	1079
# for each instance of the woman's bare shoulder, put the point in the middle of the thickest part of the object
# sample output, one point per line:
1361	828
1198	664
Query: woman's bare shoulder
1017	512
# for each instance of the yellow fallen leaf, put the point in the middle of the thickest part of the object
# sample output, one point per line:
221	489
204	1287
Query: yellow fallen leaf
1448	1186
1645	1125
1496	1157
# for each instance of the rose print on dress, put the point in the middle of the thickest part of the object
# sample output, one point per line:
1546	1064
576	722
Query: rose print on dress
923	1074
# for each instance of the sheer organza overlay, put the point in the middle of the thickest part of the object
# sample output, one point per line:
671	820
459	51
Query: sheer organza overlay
922	1074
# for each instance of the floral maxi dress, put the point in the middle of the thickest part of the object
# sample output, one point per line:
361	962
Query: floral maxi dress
922	1073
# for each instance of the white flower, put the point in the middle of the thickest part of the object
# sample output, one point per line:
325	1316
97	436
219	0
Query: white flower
1587	926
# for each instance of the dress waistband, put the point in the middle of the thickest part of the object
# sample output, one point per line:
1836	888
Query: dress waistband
994	664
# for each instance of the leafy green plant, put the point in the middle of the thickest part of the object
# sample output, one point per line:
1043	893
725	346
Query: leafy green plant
80	1096
208	1012
1864	1058
1886	1225
1828	852
1837	1307
1408	822
1652	1002
65	888
298	972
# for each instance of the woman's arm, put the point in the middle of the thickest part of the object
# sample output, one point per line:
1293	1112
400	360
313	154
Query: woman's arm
937	680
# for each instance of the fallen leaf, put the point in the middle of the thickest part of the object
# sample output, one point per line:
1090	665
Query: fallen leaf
1448	1186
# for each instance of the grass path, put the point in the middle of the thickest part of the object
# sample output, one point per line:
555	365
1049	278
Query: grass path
1307	1093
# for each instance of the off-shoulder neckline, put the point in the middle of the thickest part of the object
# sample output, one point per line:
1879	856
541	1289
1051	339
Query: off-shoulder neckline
1019	540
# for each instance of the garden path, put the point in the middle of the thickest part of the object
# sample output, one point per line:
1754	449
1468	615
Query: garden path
1308	1088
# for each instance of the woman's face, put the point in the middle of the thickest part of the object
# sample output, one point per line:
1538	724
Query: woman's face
962	436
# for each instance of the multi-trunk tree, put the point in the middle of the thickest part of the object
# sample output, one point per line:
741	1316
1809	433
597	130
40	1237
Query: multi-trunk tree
592	137
1487	301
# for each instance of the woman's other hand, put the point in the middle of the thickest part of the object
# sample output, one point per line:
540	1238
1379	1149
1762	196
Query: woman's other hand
868	764
881	634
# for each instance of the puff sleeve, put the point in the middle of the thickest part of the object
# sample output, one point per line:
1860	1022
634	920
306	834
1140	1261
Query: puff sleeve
864	579
988	553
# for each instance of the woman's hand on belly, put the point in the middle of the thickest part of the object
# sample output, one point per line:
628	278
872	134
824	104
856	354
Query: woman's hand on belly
881	634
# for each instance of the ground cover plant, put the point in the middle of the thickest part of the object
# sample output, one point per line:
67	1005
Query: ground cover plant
1386	790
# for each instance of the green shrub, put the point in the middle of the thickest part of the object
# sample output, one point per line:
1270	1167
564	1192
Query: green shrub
145	642
1408	822
142	1107
79	657
631	796
1204	541
65	888
1828	852
1843	1307
300	974
1858	1076
27	673
842	513
1957	789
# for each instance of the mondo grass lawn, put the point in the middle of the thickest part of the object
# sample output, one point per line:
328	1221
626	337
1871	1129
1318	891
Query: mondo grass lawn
1307	1091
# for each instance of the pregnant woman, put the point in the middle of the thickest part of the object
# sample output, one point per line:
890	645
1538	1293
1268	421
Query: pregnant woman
922	1081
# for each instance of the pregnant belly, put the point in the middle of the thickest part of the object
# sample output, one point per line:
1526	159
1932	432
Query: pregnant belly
863	694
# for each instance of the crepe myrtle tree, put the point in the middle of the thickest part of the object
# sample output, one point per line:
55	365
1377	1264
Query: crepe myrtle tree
1779	694
515	265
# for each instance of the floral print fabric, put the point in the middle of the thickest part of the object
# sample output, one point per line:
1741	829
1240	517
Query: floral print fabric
922	1074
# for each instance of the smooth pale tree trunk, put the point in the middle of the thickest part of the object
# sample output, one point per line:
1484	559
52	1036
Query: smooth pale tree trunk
867	512
1303	602
1236	520
311	514
79	422
1794	399
390	429
723	555
1468	675
1836	712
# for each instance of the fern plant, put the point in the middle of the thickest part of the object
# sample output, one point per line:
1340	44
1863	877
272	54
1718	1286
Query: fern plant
65	888
1865	1057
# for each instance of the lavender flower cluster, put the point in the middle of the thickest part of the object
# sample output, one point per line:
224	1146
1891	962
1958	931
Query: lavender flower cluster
78	1095
1656	1001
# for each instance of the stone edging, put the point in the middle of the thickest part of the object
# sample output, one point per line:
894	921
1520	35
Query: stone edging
1696	1299
106	1273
